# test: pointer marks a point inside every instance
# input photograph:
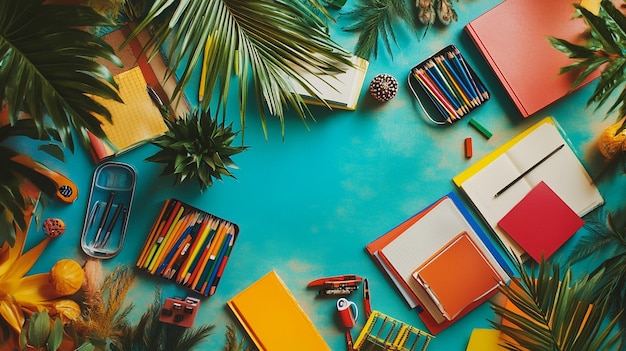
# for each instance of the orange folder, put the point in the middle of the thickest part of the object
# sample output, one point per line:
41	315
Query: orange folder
457	275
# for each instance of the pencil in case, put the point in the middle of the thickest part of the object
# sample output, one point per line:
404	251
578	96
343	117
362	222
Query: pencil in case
451	85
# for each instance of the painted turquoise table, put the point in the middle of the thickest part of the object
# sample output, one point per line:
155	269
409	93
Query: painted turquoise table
307	205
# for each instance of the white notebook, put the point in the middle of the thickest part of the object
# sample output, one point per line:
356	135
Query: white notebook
561	170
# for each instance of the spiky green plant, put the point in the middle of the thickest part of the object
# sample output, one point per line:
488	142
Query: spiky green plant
606	48
554	314
258	43
197	146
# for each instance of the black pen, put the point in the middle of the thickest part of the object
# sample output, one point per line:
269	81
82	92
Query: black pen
529	170
155	97
103	219
107	234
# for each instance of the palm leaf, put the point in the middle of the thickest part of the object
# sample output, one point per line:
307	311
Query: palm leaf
607	239
552	313
48	66
12	176
606	47
374	19
258	41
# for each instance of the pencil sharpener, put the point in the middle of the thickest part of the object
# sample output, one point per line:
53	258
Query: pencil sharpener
108	209
180	312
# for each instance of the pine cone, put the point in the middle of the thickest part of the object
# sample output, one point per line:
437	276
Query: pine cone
383	87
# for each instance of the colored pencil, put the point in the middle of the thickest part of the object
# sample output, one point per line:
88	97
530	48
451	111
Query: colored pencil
169	215
458	76
188	246
161	241
155	227
213	251
436	94
174	253
222	266
200	262
215	261
448	85
451	75
174	213
181	227
178	228
437	77
193	252
184	255
480	89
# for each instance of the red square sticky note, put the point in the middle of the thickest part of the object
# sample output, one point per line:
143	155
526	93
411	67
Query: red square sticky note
541	222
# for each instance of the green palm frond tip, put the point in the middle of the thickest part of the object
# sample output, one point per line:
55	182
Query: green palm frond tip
551	312
605	50
198	147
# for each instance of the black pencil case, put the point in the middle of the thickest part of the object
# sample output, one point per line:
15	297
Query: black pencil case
446	86
188	246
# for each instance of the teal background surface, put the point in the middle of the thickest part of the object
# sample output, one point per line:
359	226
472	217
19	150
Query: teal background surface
308	203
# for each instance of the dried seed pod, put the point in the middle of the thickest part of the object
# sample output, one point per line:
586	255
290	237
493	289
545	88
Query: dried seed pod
383	87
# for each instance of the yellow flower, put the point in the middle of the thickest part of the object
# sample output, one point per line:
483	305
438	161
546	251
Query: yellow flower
22	295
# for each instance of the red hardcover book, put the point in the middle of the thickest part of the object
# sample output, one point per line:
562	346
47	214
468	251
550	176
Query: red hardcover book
513	38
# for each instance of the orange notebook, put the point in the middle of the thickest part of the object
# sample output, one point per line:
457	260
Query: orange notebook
457	276
541	222
401	250
513	38
273	318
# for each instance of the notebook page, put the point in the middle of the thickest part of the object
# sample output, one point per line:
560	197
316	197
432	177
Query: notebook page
136	120
482	187
562	172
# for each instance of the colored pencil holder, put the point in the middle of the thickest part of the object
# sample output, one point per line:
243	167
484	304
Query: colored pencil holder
445	86
188	246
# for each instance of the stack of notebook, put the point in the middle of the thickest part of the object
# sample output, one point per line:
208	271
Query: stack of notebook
441	262
527	217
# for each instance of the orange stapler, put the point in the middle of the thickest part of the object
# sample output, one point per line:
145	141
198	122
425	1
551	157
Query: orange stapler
66	190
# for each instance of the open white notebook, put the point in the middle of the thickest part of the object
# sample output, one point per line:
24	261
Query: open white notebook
340	91
561	170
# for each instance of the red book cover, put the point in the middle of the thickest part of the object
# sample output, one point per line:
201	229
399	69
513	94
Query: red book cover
541	222
513	38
